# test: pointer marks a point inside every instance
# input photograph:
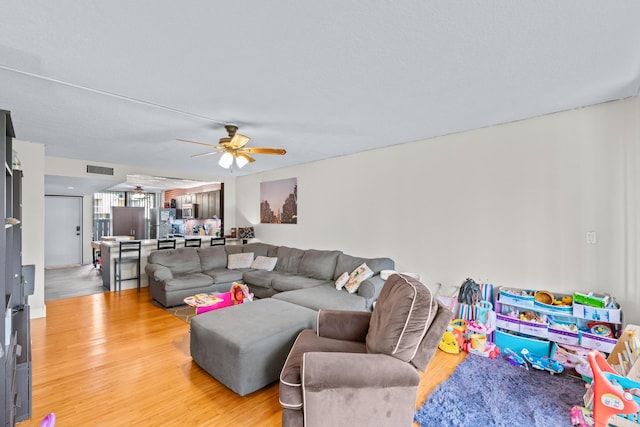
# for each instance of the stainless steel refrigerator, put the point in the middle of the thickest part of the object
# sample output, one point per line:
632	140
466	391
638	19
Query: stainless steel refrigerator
161	222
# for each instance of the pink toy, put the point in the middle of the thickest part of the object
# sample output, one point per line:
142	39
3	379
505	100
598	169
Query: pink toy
49	420
578	417
226	302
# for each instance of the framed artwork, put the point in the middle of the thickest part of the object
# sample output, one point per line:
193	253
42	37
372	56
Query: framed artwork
279	201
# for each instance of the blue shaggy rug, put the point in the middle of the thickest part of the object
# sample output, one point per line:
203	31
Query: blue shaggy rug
486	392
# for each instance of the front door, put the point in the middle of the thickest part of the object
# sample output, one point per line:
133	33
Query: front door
63	230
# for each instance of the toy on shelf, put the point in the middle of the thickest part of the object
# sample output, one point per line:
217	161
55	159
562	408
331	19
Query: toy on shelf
542	363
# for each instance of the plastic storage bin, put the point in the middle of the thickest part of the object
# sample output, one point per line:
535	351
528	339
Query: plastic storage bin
517	343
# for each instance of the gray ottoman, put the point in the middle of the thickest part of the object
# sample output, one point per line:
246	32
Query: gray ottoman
245	346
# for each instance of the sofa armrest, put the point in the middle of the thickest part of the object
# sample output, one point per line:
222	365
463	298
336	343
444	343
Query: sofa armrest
343	325
370	288
357	389
159	272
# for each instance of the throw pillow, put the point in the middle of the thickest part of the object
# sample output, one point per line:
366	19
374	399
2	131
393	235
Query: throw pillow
241	260
264	263
357	276
342	280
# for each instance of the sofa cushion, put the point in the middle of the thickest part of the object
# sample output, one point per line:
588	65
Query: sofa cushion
349	263
290	282
233	249
180	261
318	264
401	317
241	260
324	297
357	276
212	257
260	278
224	275
342	280
264	263
258	248
289	259
191	281
290	378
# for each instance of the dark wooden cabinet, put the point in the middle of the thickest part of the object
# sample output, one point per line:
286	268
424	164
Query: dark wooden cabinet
128	221
15	333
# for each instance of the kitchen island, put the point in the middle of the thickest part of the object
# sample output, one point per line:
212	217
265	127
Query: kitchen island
110	250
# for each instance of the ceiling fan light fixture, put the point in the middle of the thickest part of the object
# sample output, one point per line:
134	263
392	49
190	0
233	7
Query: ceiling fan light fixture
226	160
241	161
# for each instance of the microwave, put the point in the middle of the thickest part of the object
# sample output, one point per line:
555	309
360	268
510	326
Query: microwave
190	210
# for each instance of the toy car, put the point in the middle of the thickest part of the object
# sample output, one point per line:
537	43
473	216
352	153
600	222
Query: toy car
543	363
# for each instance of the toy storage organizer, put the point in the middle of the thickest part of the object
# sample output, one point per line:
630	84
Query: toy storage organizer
550	333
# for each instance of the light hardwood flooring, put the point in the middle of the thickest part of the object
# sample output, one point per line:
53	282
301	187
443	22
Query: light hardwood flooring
105	360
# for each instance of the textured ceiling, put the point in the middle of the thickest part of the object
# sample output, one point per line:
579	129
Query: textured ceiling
119	81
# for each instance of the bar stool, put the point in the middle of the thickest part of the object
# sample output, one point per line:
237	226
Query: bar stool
218	241
192	243
132	249
166	244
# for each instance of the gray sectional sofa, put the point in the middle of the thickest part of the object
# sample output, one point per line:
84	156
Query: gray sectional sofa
302	277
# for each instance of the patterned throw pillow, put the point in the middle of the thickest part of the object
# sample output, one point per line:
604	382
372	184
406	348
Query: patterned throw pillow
241	260
357	276
342	280
264	263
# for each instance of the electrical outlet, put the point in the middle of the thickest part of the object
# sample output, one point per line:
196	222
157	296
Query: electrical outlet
591	238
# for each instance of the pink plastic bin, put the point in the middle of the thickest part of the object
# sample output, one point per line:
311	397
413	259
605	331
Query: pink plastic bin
226	302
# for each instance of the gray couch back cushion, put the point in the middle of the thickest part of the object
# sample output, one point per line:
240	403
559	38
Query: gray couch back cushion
318	264
233	249
179	261
401	318
349	263
258	249
213	257
289	259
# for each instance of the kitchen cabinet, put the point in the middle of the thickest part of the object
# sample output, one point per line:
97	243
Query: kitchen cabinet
128	221
209	203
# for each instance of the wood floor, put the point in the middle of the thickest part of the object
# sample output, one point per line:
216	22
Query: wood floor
104	360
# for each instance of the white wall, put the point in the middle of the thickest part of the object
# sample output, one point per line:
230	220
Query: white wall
509	204
32	158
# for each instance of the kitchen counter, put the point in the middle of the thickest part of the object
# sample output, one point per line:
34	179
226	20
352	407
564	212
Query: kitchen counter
110	249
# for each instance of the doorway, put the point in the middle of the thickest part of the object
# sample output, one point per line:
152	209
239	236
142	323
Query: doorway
63	231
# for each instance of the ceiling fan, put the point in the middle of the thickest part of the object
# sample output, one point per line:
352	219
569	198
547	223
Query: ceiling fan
233	147
138	192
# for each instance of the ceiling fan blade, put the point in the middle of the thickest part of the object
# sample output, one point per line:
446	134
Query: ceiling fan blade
246	156
279	151
196	142
206	154
238	141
